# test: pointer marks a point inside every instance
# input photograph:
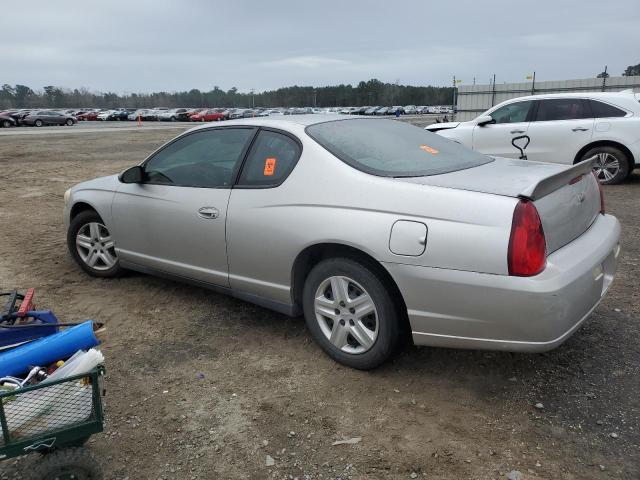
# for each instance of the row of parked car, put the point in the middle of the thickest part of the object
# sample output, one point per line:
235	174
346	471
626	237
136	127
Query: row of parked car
35	118
40	117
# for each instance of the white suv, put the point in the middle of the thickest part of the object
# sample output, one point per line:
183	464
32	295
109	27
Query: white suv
563	128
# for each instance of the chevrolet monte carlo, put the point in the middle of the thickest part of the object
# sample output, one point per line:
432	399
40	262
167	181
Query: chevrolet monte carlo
371	228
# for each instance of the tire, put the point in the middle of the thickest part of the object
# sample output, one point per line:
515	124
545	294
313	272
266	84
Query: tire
612	165
6	123
38	123
91	246
77	463
69	122
381	328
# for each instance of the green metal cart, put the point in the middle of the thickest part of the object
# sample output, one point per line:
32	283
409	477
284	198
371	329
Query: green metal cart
54	419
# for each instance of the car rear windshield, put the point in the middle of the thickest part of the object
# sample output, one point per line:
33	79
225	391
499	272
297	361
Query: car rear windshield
392	148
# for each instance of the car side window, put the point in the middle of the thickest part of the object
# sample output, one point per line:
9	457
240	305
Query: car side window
271	160
512	113
604	110
205	159
562	109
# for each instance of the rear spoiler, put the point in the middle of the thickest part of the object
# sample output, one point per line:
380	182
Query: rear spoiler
554	182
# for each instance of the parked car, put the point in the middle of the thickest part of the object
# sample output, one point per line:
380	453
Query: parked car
394	110
7	121
371	110
46	117
88	116
564	128
369	227
210	115
174	115
410	110
381	111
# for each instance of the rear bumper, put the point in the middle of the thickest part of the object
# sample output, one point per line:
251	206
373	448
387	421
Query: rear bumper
452	308
635	151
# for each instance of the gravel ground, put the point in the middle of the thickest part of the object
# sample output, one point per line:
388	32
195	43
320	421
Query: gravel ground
203	386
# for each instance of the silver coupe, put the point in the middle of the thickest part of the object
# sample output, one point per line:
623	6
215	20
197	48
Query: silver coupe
371	228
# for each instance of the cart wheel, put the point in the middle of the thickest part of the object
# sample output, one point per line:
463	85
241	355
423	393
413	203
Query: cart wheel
67	464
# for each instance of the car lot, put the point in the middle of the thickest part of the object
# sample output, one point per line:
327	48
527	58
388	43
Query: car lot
199	382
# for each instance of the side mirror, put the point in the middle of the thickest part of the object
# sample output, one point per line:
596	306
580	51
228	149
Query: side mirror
132	175
485	120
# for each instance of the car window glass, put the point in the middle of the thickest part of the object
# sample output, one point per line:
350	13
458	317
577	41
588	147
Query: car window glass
604	110
393	149
512	113
562	109
271	159
202	159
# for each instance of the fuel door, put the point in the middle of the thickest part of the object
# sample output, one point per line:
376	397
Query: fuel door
408	238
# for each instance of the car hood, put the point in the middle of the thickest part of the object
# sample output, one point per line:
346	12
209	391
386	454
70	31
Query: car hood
442	126
109	183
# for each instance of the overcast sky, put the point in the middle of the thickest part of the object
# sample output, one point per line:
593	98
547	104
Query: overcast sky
152	45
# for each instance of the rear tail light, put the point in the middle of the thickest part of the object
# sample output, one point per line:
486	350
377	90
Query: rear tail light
527	254
601	193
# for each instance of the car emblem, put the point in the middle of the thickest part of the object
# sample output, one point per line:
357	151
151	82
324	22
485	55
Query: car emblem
580	197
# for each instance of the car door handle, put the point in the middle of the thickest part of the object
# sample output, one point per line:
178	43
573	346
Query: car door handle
579	129
208	212
517	131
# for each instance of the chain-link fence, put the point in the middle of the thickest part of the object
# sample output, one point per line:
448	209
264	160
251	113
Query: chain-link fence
472	100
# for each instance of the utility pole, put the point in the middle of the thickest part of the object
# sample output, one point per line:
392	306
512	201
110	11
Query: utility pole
493	91
253	102
453	100
533	84
604	79
314	99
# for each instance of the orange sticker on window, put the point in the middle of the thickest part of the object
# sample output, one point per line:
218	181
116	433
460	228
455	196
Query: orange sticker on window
429	149
269	166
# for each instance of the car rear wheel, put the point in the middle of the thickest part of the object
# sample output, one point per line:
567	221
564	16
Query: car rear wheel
38	123
612	165
6	123
69	122
350	313
92	246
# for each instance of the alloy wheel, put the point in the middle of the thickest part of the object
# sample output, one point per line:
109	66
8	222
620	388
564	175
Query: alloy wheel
606	167
96	247
346	314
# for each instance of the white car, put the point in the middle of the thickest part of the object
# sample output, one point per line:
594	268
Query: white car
104	115
563	128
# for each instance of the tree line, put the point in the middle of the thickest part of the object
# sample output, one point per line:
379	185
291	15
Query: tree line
371	92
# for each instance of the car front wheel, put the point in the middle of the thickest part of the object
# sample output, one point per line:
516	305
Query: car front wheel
38	123
611	166
351	313
92	246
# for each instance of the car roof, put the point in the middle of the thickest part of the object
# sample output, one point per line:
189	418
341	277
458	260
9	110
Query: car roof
595	95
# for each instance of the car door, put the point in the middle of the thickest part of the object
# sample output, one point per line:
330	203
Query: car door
46	117
257	250
175	220
559	129
509	121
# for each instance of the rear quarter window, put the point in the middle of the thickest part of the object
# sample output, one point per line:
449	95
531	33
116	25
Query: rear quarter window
391	148
604	110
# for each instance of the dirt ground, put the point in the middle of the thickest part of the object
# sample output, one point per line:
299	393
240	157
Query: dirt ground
203	386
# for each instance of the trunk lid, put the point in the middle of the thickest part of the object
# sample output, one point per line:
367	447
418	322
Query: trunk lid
567	197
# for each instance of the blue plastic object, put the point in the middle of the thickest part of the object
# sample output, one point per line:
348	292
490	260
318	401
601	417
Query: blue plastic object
47	350
16	336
